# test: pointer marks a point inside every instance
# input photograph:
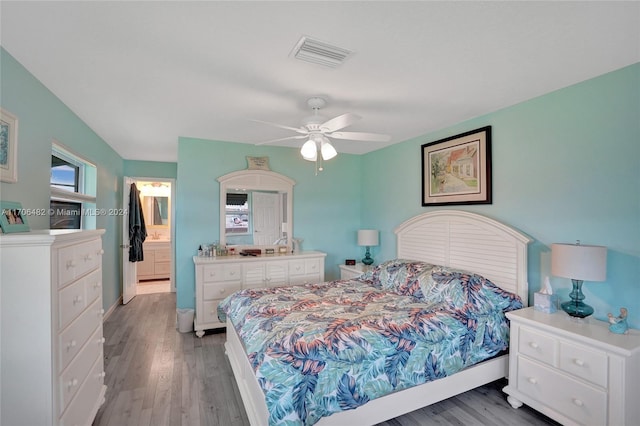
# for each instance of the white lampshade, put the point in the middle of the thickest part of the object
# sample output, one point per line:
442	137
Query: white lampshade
309	150
367	237
328	151
579	262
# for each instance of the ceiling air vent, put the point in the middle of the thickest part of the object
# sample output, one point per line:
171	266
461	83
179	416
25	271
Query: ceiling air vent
318	52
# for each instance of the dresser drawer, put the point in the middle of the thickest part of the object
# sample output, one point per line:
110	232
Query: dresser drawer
219	291
304	267
584	363
79	411
214	273
536	345
73	376
576	400
93	285
163	255
71	302
304	279
75	261
210	311
76	335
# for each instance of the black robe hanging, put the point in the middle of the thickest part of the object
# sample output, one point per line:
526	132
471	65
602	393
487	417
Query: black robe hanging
137	228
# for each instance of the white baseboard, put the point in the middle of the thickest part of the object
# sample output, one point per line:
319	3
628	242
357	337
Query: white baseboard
111	309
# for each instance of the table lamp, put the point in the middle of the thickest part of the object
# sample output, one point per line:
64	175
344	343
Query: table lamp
368	238
578	263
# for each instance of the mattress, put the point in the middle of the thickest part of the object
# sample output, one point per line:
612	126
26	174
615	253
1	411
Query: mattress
318	349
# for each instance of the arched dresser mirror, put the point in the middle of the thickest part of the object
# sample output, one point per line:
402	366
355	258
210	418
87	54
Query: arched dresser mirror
256	208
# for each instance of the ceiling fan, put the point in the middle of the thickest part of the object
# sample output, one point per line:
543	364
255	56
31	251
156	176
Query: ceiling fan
317	129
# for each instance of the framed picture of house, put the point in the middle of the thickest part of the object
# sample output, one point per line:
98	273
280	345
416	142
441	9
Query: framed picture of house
457	170
8	146
12	217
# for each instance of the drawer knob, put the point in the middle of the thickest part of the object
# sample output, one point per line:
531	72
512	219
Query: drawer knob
72	383
222	290
100	252
101	340
578	402
533	345
579	362
88	258
77	299
98	284
101	375
71	344
71	264
532	380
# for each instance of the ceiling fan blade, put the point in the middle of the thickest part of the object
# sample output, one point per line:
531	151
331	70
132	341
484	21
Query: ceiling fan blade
360	136
282	139
295	129
339	122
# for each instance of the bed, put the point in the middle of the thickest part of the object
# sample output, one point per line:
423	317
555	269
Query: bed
483	258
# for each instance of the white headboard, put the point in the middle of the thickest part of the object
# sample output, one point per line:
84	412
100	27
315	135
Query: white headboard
468	241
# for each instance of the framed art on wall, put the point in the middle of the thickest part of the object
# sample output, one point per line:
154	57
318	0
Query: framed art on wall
8	146
12	217
457	170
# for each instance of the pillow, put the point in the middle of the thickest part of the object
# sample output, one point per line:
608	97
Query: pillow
399	275
465	290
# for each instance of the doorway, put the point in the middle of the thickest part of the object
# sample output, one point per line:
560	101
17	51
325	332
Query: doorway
155	274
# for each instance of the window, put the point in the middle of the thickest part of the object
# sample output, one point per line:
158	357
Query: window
237	213
73	188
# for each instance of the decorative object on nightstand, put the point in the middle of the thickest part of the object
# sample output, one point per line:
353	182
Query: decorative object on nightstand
618	324
367	238
544	300
578	263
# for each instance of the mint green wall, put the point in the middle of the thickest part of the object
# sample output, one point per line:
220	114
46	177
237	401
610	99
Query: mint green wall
566	166
156	169
42	117
326	208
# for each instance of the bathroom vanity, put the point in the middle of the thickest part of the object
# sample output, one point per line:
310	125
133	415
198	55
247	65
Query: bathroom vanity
218	277
157	261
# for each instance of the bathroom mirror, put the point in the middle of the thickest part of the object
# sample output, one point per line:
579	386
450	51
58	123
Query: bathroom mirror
155	210
256	208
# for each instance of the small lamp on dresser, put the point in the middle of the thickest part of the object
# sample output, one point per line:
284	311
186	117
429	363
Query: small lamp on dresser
367	238
579	263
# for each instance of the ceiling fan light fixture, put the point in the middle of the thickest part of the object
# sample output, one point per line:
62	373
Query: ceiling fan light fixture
309	150
328	151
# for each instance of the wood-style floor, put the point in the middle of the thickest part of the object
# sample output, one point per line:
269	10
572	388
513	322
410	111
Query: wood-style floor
157	376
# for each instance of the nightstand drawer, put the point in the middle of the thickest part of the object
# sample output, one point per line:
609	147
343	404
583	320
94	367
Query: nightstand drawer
578	401
584	363
537	346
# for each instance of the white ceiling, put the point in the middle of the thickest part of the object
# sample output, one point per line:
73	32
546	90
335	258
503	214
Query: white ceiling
141	74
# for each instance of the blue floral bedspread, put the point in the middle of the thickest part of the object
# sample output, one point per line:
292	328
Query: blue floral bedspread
318	349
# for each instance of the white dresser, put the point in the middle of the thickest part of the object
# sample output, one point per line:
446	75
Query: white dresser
574	371
51	341
218	277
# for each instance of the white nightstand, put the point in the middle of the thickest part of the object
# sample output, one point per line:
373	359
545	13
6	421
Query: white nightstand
353	271
574	371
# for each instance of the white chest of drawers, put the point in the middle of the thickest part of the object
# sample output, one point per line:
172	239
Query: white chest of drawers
51	368
574	371
218	277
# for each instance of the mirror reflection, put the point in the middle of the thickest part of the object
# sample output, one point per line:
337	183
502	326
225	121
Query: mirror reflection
254	217
155	210
255	208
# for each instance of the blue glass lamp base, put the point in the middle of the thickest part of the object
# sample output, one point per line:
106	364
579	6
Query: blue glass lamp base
576	307
368	260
